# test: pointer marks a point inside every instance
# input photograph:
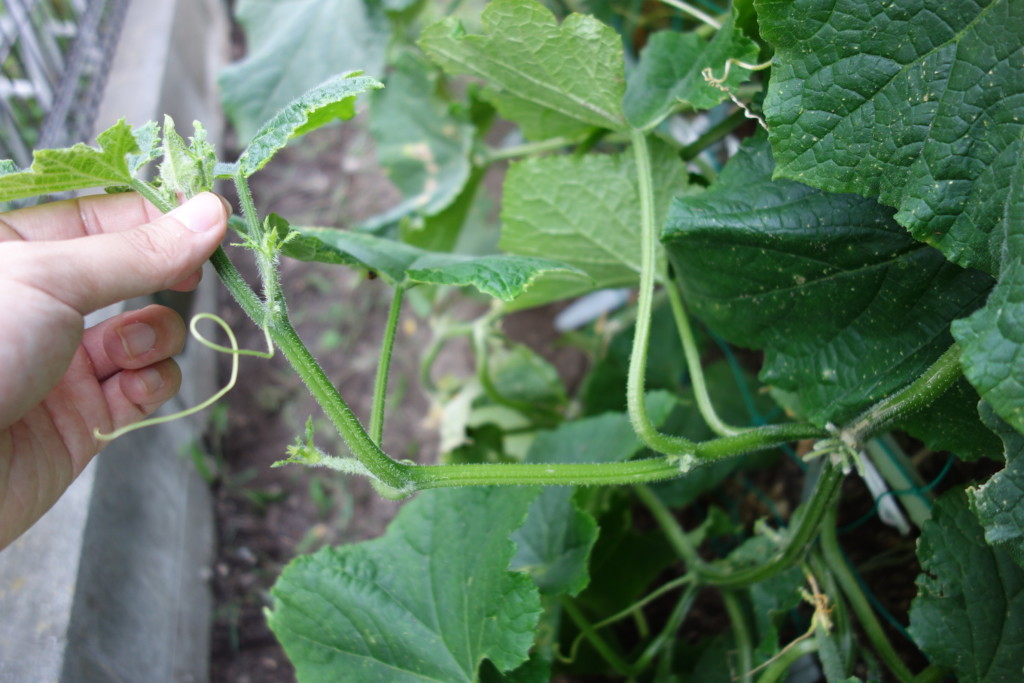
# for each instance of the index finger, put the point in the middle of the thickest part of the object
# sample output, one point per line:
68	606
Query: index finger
80	217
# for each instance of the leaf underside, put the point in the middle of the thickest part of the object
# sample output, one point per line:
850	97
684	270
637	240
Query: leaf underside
552	80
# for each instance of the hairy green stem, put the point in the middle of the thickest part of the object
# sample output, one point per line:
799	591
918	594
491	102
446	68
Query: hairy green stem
380	385
648	433
389	472
806	524
700	387
858	601
923	391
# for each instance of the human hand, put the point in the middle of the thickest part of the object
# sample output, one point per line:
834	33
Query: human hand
58	382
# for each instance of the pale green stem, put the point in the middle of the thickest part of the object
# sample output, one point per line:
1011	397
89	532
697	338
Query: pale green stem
933	674
648	433
741	635
779	667
380	385
668	632
686	8
858	601
514	151
600	644
700	387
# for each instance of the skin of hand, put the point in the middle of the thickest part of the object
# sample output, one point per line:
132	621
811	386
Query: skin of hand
59	381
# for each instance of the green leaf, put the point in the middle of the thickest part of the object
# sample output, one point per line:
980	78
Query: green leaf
847	306
552	80
584	211
917	101
118	156
414	604
332	99
669	78
999	503
554	543
422	145
501	276
968	615
295	45
519	374
993	355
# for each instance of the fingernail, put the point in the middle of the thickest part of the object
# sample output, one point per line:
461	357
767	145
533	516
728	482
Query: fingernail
199	214
151	379
228	209
137	338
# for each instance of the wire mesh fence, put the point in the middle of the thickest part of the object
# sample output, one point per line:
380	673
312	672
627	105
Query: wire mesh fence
54	58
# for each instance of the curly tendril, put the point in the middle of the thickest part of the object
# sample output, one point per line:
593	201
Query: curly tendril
233	351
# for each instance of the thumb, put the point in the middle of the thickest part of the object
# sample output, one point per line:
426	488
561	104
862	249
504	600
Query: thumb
88	273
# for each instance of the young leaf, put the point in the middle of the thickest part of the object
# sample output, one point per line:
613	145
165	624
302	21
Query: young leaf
555	541
423	147
293	46
847	306
669	75
552	80
584	211
918	102
502	276
331	100
188	169
119	155
430	600
999	503
968	615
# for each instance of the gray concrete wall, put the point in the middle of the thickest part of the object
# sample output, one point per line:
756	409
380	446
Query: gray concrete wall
112	584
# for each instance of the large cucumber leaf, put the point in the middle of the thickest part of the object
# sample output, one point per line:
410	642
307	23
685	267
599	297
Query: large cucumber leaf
414	605
295	44
503	276
121	152
919	103
846	304
552	80
968	615
584	211
669	76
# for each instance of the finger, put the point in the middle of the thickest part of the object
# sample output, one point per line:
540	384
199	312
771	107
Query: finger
133	394
134	340
93	272
91	215
189	283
